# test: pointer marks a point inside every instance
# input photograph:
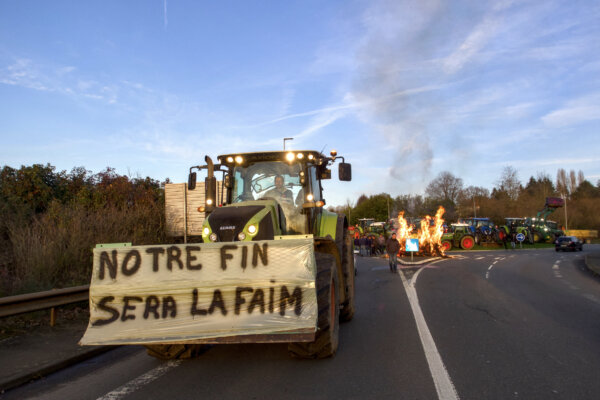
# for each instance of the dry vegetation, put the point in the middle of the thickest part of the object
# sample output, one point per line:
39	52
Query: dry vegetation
50	222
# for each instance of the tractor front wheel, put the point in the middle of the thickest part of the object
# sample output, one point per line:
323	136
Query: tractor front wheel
328	327
347	311
176	351
447	245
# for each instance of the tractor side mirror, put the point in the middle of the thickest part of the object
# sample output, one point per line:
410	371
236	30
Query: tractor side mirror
192	181
345	172
210	193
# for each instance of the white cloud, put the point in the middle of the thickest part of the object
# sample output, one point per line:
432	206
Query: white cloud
472	45
583	109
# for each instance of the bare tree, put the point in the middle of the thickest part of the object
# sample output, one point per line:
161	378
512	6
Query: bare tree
572	181
445	187
580	178
509	182
562	182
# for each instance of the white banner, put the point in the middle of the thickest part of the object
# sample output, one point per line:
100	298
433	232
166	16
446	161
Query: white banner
176	293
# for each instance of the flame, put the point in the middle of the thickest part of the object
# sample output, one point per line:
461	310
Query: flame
438	230
429	234
403	230
424	234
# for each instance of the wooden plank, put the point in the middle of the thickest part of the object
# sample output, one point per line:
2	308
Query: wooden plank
181	208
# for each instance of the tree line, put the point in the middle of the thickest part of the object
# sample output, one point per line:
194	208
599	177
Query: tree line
50	220
508	198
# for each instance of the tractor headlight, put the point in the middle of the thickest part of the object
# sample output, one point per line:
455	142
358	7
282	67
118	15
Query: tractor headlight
252	229
290	157
206	231
213	237
309	197
241	236
239	159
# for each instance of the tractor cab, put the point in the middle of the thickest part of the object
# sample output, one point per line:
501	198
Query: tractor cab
266	194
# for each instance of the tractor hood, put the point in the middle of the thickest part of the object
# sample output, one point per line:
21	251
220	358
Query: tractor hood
250	220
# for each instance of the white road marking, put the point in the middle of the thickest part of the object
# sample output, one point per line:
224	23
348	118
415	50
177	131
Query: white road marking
479	258
487	274
555	266
140	381
443	384
591	297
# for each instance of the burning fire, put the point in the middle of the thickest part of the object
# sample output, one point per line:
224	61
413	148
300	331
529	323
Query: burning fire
429	235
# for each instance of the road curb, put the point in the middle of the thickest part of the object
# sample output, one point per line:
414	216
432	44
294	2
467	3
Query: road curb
418	262
592	262
49	369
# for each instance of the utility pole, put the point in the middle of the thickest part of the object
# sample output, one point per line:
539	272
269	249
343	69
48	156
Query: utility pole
474	209
285	139
566	220
388	205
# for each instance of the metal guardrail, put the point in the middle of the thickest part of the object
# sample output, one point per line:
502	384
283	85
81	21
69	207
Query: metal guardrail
24	303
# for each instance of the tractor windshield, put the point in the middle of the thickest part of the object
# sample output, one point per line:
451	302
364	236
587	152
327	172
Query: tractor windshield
275	180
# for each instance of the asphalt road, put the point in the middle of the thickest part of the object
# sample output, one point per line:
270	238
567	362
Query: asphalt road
502	324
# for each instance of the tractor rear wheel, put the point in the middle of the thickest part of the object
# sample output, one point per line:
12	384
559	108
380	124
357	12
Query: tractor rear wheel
176	351
467	242
327	334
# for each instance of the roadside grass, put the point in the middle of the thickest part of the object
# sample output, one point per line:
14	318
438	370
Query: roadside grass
54	249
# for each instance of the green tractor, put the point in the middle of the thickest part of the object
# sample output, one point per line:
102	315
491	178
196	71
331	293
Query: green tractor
515	226
459	236
543	230
273	265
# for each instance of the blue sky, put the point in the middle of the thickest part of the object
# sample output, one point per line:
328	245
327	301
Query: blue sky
402	89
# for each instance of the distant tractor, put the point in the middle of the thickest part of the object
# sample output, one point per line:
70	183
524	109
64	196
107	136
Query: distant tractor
541	229
459	235
515	226
483	229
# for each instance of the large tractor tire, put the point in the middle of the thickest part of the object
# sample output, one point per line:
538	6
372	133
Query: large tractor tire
176	351
528	236
344	242
467	242
537	237
347	311
328	326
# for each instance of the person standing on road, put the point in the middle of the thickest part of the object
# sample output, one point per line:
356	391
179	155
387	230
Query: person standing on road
393	247
380	244
363	246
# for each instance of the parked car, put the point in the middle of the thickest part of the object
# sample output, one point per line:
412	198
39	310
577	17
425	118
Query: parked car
568	243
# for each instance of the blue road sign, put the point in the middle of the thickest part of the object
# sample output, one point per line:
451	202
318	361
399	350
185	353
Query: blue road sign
520	237
412	244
